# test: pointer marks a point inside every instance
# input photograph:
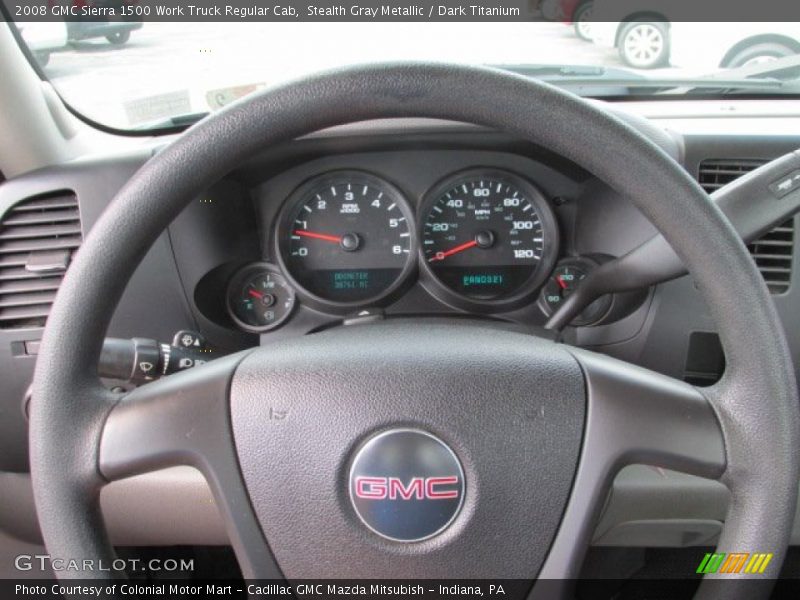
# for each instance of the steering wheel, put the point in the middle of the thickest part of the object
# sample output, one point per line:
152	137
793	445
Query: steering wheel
517	438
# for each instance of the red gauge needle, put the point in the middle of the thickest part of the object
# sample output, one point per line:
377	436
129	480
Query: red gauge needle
256	294
561	283
456	250
318	236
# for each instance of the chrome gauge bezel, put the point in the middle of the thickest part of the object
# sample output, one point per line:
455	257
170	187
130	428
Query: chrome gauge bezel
285	218
528	290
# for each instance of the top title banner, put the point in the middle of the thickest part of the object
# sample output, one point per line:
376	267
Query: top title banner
383	10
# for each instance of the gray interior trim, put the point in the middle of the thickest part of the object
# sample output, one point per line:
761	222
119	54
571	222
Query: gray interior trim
754	204
184	420
633	416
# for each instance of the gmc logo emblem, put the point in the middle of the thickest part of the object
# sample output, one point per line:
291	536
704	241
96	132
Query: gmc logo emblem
422	498
419	488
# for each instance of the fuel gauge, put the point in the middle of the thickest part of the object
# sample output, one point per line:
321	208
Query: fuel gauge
259	298
565	278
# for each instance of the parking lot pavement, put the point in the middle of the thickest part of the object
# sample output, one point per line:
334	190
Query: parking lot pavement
182	62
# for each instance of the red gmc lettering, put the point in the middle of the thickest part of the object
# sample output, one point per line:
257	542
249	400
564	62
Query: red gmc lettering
433	482
371	487
416	487
380	488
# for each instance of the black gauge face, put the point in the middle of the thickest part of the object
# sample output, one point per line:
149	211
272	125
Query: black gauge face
488	236
564	280
259	298
346	239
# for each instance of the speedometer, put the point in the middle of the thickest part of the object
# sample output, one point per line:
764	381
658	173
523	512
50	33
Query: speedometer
346	239
489	239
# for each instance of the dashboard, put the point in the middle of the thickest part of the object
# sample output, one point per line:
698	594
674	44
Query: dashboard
487	234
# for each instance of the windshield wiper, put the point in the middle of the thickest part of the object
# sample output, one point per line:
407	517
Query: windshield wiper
786	68
606	81
178	122
723	86
545	70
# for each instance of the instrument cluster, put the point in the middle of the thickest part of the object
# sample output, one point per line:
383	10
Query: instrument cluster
481	240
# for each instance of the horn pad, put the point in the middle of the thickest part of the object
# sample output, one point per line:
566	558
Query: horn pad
474	488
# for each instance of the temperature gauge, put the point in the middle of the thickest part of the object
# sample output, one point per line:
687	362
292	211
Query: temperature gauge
566	277
259	298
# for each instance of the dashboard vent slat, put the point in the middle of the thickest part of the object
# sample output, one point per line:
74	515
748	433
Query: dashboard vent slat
773	252
766	242
30	232
44	230
13	260
40	217
19	273
28	285
67	242
27	299
57	201
26	314
765	256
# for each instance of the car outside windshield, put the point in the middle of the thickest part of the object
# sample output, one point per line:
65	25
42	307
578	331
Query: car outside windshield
136	76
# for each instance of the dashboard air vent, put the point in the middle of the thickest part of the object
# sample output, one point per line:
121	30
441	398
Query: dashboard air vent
38	237
773	256
716	173
773	251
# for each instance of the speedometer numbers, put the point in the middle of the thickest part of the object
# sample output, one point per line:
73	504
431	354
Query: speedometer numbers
489	239
346	240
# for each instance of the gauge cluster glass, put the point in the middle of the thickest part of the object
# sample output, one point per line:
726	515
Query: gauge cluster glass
346	239
488	239
485	239
259	298
564	279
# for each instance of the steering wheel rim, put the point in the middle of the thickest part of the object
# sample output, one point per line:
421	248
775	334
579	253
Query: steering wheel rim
755	403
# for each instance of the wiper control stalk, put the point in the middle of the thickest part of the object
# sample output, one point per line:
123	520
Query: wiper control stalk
141	360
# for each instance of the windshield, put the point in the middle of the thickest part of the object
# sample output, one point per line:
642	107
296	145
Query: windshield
129	74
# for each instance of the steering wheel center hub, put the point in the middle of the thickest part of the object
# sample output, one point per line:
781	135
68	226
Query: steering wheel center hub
427	449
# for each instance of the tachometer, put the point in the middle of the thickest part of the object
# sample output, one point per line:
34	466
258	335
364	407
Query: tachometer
346	239
489	239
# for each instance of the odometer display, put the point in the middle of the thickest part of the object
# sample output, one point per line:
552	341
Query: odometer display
488	237
346	239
